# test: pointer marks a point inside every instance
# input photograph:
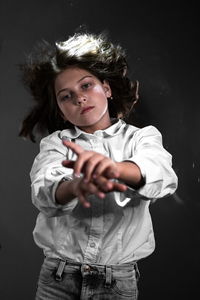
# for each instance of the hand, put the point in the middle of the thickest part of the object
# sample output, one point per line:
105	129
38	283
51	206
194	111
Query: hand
90	163
98	187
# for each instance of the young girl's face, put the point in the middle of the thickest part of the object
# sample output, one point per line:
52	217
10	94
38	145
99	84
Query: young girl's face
82	99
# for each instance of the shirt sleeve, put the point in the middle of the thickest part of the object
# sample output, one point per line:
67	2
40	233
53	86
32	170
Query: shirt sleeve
155	164
46	173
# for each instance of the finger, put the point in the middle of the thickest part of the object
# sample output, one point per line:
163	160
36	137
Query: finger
68	163
83	200
81	162
111	173
104	184
104	165
91	188
74	147
120	187
91	165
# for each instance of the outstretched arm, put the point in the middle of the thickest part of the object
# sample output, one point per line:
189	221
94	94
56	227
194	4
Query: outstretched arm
93	165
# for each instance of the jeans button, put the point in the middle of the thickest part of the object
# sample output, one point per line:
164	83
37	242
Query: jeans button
87	268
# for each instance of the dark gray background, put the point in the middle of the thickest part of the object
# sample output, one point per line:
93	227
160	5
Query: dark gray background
162	42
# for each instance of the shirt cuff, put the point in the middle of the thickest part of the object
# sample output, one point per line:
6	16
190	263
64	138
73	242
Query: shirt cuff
63	209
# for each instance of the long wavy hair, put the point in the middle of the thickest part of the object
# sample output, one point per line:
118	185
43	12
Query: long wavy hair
92	52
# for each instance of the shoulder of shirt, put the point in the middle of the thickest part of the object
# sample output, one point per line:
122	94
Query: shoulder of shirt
52	140
54	136
55	139
147	130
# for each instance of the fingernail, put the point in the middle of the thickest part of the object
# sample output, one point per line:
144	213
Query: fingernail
86	204
75	175
101	195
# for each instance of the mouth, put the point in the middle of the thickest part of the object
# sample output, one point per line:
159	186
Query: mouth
86	109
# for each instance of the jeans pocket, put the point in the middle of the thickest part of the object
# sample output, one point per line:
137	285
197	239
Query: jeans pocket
126	287
47	275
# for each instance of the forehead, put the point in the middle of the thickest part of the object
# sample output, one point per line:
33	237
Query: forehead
71	76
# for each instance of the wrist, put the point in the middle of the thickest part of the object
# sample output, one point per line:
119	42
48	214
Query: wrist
120	168
66	191
74	186
130	173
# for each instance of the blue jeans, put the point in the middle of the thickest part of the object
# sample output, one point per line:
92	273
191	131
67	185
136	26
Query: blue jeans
68	280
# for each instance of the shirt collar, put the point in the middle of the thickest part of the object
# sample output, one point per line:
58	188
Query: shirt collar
113	130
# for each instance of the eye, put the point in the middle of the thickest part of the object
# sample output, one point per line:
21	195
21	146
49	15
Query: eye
65	97
86	85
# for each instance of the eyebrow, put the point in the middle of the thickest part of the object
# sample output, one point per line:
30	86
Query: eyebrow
62	90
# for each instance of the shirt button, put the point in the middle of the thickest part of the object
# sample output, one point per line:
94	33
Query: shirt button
92	245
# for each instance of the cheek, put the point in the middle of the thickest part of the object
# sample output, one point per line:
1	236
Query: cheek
100	98
99	91
64	110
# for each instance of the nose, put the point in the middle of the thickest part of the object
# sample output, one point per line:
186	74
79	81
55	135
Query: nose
80	99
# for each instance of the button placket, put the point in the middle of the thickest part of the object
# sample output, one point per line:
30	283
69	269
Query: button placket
96	231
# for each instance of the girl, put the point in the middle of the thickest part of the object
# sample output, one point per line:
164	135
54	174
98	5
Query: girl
95	174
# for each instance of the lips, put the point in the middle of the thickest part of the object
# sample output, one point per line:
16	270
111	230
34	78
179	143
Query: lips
86	109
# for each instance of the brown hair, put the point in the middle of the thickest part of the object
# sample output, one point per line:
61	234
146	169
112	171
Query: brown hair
87	51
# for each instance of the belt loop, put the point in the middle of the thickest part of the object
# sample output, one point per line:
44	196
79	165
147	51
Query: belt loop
60	270
108	276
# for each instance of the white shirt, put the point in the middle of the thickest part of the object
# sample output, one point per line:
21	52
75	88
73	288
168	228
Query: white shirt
117	229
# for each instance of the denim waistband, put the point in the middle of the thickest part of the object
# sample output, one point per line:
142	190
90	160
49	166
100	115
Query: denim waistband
68	265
